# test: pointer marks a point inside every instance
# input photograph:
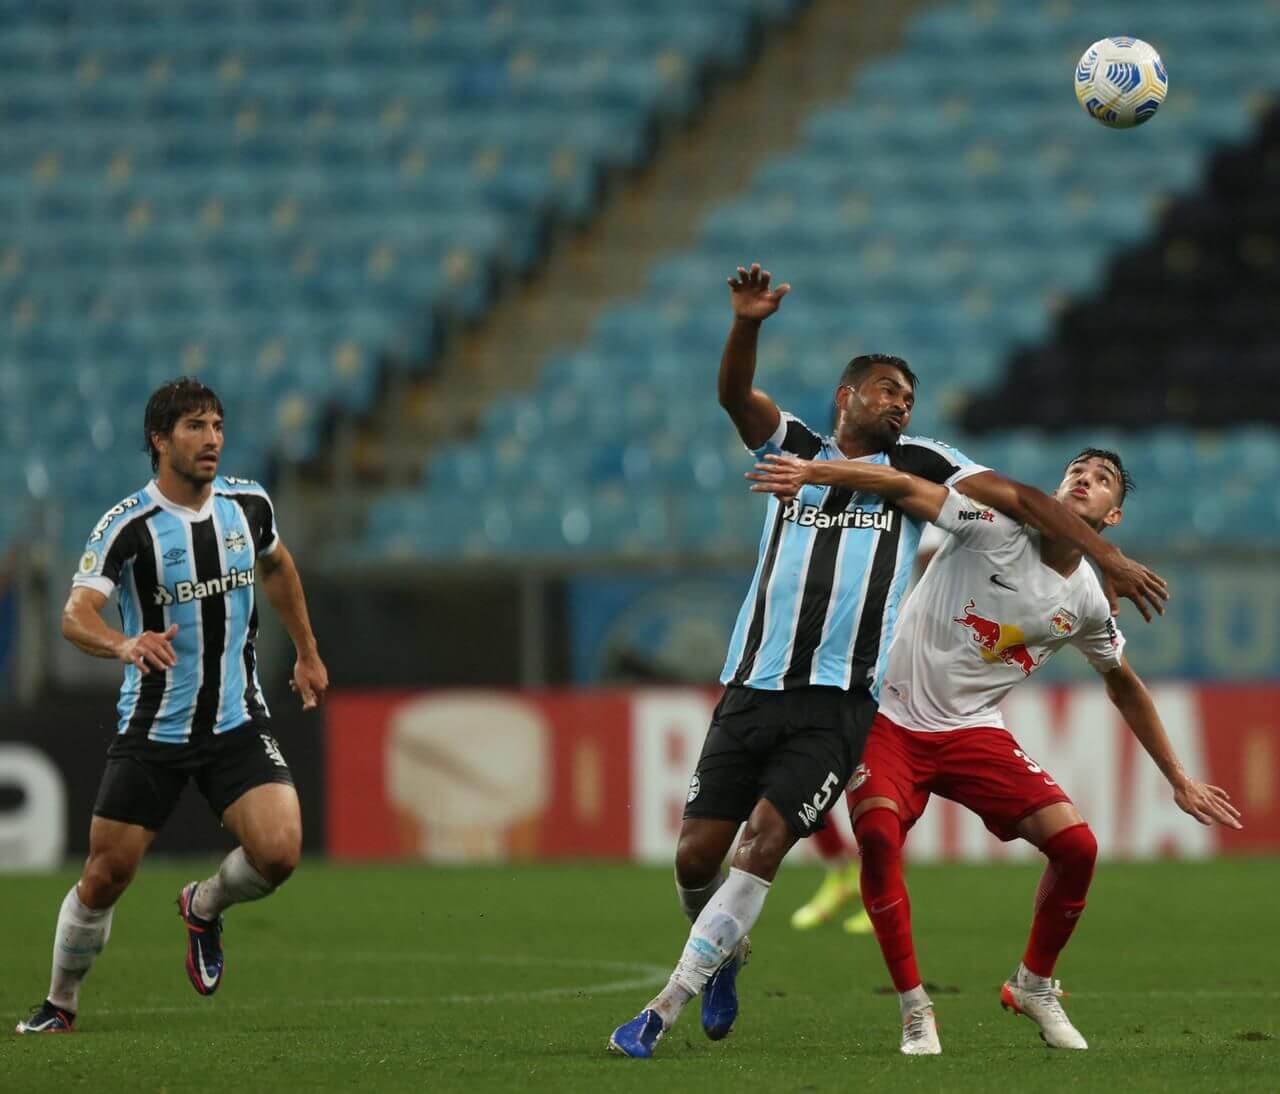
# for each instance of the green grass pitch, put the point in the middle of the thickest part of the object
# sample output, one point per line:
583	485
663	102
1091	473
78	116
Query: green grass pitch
505	979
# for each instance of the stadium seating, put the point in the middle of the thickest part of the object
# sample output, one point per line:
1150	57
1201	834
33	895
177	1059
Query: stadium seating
1200	298
948	209
275	194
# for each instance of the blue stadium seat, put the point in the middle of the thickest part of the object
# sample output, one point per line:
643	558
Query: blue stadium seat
205	187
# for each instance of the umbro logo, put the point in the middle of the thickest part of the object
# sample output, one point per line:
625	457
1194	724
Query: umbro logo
174	555
995	580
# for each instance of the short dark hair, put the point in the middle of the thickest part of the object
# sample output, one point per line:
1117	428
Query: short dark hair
171	401
856	369
1126	480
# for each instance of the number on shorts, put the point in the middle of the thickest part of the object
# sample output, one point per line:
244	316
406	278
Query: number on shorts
810	813
1032	766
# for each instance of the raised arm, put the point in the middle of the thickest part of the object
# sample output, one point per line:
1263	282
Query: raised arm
1027	505
755	415
283	586
784	475
1208	804
84	627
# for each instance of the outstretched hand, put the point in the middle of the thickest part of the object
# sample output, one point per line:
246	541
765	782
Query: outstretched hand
780	474
1208	804
1123	577
750	295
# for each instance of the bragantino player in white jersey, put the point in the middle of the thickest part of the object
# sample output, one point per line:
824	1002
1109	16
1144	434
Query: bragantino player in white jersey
807	655
997	601
183	555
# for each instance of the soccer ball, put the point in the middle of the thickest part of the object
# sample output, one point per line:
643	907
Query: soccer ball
1121	82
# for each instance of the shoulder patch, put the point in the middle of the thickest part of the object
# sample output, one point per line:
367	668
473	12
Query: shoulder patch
88	562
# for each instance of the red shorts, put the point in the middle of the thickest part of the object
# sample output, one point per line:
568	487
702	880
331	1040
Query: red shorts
982	769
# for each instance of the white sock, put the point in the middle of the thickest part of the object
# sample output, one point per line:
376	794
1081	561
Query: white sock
1027	979
913	999
692	901
79	938
723	922
235	882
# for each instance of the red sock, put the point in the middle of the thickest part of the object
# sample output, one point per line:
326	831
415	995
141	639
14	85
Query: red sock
831	845
884	893
1060	898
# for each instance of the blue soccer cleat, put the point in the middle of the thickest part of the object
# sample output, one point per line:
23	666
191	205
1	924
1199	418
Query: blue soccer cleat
720	996
46	1018
204	944
639	1037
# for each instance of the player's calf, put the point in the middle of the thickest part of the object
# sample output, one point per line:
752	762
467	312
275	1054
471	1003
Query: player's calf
1060	899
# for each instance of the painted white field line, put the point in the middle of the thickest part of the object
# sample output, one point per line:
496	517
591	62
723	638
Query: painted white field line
645	976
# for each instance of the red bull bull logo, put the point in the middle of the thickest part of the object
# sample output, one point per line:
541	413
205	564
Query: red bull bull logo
1062	623
999	642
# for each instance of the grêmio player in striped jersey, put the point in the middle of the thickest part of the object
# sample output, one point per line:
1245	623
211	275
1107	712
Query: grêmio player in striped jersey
183	555
805	663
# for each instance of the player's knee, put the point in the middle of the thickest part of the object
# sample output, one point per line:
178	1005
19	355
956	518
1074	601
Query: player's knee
697	864
277	860
1075	846
764	845
879	833
105	879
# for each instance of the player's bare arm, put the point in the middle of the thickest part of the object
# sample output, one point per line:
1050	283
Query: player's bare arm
1028	505
1208	804
84	627
755	415
283	586
783	474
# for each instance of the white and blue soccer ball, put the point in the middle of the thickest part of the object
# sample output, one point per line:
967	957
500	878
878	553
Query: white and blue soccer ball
1121	82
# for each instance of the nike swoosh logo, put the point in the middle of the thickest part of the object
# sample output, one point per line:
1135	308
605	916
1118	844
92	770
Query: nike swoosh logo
205	978
995	580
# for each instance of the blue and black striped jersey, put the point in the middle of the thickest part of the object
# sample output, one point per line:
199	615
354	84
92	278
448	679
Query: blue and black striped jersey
169	564
833	569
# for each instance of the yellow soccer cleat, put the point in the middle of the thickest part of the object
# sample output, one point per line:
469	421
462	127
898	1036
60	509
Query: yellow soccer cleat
837	888
859	923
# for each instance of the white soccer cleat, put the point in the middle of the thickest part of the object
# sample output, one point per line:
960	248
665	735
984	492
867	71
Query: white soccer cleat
920	1032
1040	1004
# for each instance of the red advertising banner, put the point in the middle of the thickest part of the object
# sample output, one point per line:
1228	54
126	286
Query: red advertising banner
479	776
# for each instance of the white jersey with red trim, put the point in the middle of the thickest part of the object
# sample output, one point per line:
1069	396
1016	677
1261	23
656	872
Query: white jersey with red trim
987	613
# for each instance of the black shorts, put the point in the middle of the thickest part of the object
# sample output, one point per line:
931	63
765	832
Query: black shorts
144	779
796	749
